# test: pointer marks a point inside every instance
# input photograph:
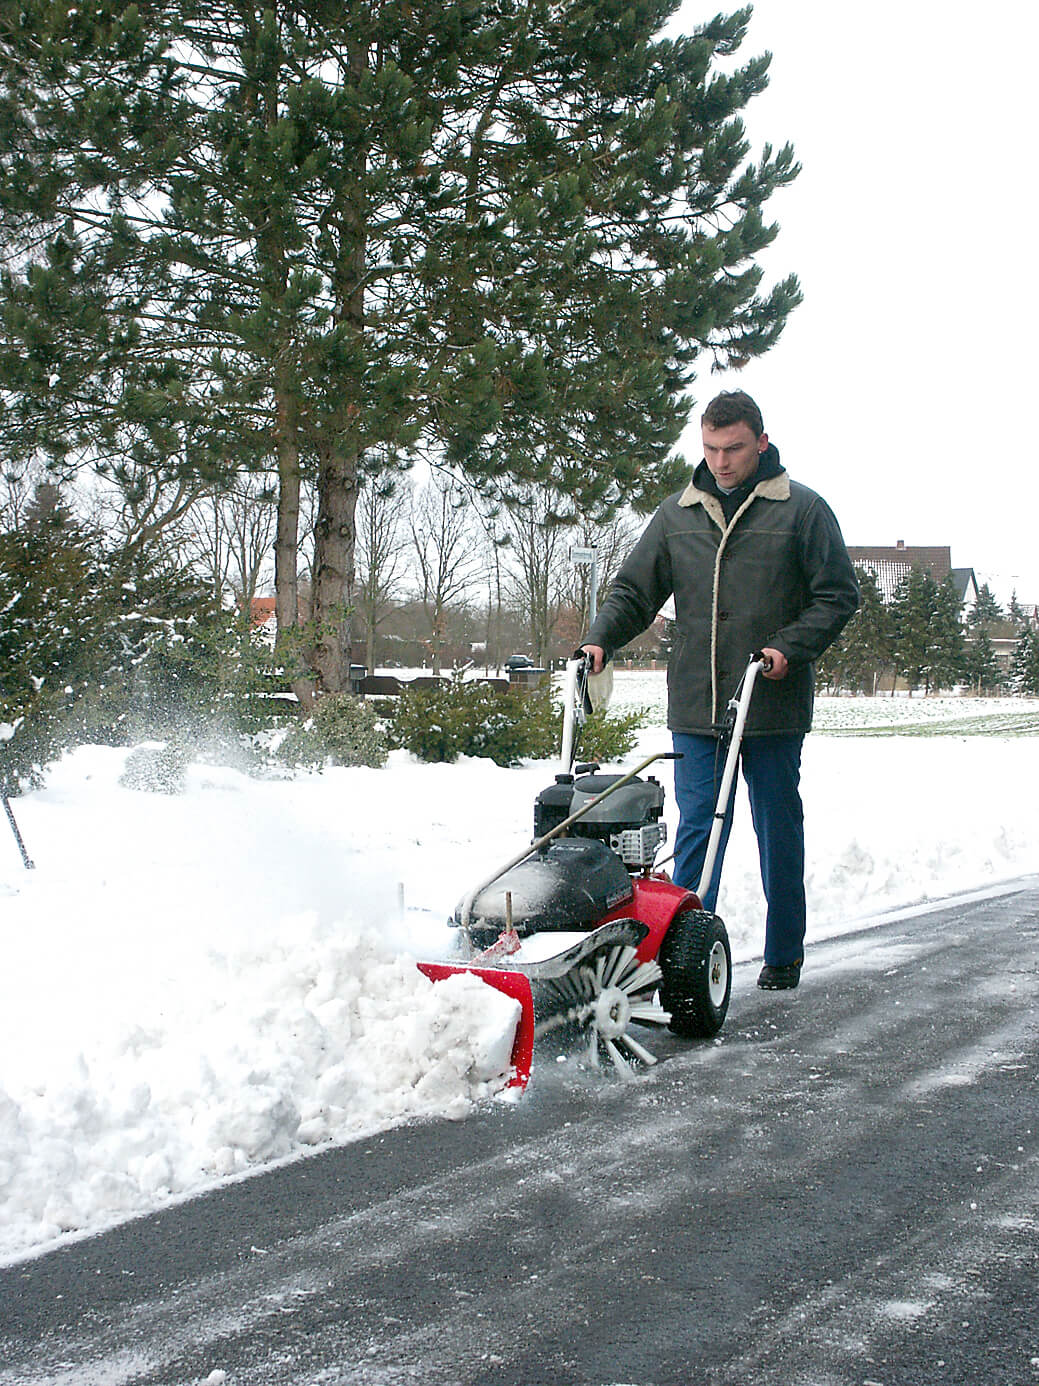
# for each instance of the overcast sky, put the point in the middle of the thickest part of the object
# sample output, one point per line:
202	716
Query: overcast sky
904	387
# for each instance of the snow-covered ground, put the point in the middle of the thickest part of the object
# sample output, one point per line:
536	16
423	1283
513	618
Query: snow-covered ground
195	985
645	688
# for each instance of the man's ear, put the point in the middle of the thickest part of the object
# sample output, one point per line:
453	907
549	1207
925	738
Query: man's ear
762	443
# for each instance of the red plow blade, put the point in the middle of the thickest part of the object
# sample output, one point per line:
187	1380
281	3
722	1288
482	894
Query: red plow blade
512	984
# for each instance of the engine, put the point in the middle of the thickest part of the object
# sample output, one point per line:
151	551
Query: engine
571	882
629	822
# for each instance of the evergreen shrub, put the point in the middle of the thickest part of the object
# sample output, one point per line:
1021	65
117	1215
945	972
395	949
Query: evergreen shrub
343	730
469	718
103	645
57	606
607	737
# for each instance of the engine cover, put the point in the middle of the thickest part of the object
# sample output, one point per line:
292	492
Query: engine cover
628	808
569	884
553	805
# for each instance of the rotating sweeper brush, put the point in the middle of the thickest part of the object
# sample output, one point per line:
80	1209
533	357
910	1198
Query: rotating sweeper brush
583	929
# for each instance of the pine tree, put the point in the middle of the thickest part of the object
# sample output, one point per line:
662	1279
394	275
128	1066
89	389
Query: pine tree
911	608
946	647
981	667
986	610
56	631
863	651
1024	665
327	238
927	634
50	585
95	643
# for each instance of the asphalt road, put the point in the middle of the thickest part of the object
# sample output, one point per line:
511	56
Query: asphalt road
841	1190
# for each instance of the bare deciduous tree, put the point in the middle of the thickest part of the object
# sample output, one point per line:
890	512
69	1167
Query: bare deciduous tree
381	555
612	541
537	560
228	536
446	552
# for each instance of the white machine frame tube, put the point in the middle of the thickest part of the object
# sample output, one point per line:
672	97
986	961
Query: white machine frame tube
742	705
572	719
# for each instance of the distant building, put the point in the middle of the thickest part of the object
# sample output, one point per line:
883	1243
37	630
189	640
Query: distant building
261	610
890	565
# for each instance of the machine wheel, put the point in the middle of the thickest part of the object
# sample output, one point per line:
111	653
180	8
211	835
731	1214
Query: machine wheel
697	974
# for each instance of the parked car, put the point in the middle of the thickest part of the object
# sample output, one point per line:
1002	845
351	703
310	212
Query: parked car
519	661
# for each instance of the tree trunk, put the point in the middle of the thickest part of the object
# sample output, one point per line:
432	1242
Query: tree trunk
334	542
437	628
340	451
286	549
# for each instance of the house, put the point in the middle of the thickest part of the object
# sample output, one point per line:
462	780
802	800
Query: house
966	585
890	565
261	610
263	616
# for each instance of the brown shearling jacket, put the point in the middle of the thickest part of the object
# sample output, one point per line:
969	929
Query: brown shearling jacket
778	574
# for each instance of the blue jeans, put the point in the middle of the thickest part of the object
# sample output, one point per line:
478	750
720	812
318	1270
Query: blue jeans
772	770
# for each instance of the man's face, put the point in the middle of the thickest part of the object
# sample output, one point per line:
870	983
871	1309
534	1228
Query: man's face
732	453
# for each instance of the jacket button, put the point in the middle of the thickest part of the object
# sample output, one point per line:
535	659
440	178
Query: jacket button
723	615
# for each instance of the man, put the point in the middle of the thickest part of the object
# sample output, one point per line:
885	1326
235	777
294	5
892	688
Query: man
755	561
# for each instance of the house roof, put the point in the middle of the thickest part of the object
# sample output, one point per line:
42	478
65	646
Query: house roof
261	609
965	583
889	565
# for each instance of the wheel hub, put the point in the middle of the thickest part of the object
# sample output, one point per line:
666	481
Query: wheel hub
717	974
612	1012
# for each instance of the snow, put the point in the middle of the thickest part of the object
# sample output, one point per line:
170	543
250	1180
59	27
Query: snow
197	985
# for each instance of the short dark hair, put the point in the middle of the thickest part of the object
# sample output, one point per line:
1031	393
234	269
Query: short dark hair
731	407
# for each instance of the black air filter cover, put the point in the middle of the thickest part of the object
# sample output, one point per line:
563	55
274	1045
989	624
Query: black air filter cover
553	805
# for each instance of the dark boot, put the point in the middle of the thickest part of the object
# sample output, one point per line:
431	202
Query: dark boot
779	978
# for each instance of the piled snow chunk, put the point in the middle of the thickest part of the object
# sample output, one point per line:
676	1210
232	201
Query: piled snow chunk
168	1019
321	1036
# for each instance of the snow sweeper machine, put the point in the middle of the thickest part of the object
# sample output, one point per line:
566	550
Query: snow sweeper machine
582	928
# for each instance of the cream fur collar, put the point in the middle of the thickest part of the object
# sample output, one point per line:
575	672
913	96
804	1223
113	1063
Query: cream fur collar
775	488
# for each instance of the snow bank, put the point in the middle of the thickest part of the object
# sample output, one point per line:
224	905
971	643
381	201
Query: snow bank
195	985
